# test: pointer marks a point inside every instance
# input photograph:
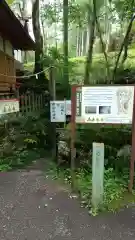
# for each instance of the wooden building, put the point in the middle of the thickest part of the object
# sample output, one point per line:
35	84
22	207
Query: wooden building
13	36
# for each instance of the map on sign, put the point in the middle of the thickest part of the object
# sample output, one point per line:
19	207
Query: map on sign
9	106
110	104
59	110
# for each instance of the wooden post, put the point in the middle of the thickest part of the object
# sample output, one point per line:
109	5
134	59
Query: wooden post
39	108
22	100
26	104
29	103
40	102
35	96
72	140
33	102
132	162
42	106
37	102
18	97
97	174
53	125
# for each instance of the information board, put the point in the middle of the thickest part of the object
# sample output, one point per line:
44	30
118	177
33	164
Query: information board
105	104
59	110
9	106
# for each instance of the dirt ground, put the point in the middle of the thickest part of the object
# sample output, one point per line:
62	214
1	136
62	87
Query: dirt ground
33	207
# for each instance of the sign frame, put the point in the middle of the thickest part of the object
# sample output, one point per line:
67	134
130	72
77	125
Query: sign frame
73	130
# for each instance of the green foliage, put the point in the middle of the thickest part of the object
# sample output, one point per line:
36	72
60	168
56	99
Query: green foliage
4	167
115	188
62	87
123	8
20	158
49	12
52	13
78	13
98	71
20	137
10	2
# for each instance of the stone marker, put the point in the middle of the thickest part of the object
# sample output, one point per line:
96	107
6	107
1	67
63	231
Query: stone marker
97	174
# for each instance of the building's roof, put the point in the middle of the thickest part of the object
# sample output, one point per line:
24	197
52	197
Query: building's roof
11	29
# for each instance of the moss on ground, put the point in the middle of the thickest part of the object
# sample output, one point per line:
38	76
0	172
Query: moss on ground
125	200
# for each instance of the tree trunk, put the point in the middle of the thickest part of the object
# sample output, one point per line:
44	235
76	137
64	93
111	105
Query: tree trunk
101	41
92	23
24	20
76	42
65	41
38	39
84	42
87	40
124	44
79	42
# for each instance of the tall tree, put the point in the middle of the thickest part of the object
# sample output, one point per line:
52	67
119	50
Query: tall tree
38	37
65	40
104	48
125	43
91	25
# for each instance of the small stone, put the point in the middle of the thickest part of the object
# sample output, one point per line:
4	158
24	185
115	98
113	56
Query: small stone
46	205
73	196
50	198
38	206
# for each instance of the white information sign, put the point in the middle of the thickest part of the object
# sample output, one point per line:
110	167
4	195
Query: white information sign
9	106
59	110
110	104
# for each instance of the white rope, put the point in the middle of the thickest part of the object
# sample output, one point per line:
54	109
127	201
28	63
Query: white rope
26	76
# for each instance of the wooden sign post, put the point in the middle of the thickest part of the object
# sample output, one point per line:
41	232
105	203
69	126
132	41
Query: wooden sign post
72	139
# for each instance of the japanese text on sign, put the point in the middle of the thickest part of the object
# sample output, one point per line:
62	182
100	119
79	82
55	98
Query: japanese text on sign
104	104
59	110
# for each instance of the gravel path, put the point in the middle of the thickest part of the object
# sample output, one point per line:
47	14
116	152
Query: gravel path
35	208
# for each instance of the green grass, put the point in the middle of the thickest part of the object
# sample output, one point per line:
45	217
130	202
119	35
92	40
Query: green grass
100	56
97	58
125	200
116	195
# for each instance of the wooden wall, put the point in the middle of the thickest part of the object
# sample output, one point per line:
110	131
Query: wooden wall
7	68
